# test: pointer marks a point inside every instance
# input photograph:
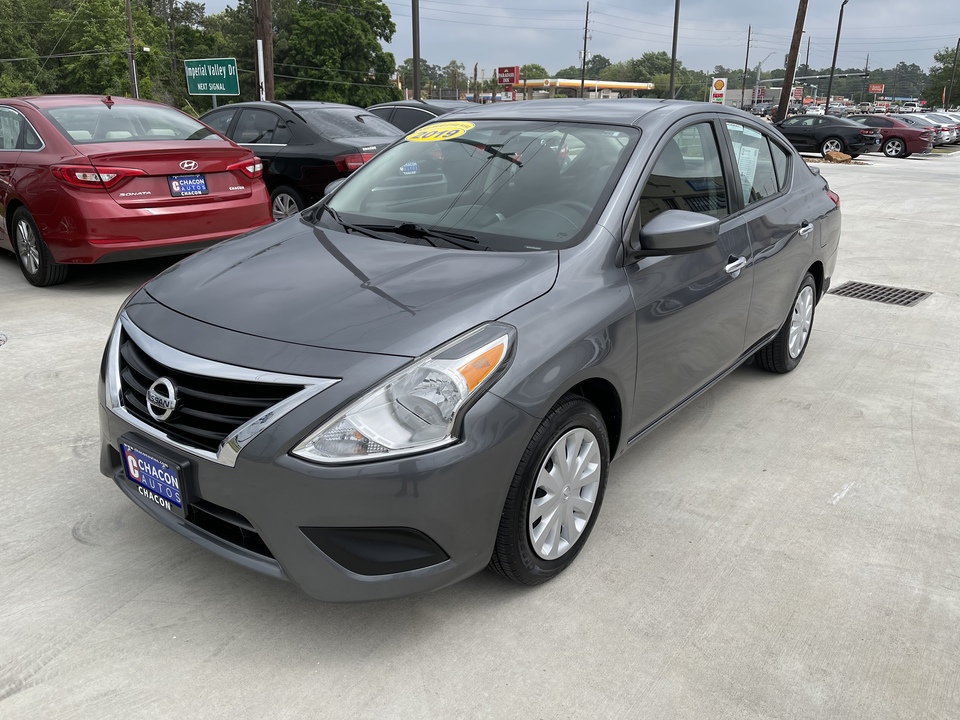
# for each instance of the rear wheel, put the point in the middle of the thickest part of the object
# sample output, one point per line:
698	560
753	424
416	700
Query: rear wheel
285	201
33	257
785	351
831	144
555	496
895	147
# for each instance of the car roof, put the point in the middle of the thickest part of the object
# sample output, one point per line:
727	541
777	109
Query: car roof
624	111
45	101
440	104
294	105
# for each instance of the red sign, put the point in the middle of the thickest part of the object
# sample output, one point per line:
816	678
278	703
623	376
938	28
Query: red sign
798	93
508	75
875	88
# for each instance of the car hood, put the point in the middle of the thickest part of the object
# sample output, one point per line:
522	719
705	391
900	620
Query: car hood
301	284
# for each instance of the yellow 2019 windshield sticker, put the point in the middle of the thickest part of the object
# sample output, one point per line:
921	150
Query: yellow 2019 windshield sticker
439	131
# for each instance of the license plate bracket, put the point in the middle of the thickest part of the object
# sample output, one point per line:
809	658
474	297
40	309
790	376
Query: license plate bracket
155	476
188	185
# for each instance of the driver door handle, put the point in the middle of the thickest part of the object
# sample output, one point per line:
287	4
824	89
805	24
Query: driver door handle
734	267
806	229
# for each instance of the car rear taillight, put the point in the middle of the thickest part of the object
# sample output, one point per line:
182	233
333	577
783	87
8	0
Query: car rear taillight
868	131
926	135
349	163
95	178
252	168
833	196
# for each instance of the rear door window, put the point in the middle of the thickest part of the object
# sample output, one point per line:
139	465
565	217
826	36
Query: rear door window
220	120
758	178
256	127
10	123
408	118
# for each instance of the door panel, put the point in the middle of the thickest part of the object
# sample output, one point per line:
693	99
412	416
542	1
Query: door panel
690	312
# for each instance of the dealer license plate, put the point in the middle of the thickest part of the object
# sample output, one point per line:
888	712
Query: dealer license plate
158	481
187	185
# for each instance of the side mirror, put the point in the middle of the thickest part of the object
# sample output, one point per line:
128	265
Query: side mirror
334	185
674	232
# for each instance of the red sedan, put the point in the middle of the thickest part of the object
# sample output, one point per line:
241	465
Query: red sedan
900	137
88	179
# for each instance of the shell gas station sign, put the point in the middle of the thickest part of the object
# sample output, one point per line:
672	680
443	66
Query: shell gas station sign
718	90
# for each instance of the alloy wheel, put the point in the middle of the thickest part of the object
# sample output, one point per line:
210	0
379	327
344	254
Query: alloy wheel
801	321
832	146
893	148
564	493
28	246
284	206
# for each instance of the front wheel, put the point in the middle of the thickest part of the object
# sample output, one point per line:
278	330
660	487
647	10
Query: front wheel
785	351
831	145
555	495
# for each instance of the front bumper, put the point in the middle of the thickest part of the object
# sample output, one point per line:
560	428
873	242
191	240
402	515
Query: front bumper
271	511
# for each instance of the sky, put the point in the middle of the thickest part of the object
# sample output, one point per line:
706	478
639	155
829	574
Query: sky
550	32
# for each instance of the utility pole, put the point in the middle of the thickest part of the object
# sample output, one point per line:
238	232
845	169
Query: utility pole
836	46
583	59
953	76
806	63
746	67
415	11
263	34
131	54
476	88
672	92
787	91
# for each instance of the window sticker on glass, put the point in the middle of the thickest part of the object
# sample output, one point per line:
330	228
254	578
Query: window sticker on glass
440	131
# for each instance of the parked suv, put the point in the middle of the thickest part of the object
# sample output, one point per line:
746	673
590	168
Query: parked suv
304	145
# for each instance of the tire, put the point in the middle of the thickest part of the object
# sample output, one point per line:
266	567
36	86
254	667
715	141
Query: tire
785	351
831	143
894	147
35	261
531	548
284	202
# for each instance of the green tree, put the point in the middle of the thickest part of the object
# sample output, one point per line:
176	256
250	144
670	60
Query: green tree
938	80
532	71
335	53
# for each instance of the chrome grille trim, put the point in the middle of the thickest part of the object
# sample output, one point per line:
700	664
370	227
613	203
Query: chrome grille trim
231	446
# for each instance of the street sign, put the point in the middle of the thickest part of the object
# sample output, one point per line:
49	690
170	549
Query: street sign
875	88
212	76
508	75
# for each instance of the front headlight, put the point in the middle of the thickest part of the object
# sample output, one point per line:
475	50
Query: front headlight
418	408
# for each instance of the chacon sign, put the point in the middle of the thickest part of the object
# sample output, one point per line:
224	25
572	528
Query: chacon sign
212	76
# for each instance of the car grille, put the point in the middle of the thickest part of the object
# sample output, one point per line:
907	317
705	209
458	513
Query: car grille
210	408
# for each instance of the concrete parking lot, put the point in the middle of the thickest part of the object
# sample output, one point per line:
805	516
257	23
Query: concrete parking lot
786	547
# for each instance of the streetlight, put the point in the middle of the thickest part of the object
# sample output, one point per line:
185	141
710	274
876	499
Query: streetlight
836	46
756	86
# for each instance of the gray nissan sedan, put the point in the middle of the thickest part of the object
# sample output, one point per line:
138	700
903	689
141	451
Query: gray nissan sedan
430	371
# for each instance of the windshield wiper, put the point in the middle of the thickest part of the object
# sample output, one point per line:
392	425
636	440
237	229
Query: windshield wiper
369	231
492	150
418	232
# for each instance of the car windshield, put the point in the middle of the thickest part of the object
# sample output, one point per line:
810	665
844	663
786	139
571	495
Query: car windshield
511	185
102	123
347	122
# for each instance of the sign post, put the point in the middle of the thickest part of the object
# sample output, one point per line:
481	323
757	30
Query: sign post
212	76
507	77
719	90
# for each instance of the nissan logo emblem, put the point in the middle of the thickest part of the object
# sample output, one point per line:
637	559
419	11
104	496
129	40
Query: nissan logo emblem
162	399
189	165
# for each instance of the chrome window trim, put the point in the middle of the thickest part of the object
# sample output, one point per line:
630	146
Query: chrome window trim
234	443
43	145
263	144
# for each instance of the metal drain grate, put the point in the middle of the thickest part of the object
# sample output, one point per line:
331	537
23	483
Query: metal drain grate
881	293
